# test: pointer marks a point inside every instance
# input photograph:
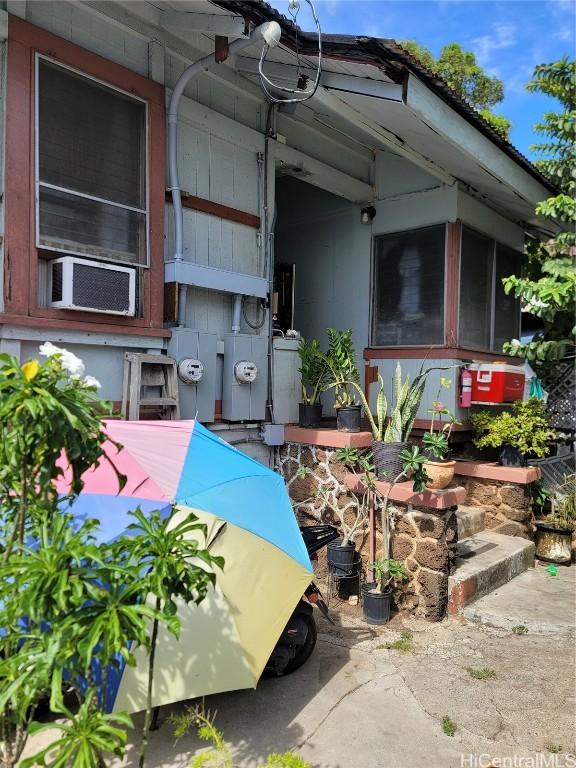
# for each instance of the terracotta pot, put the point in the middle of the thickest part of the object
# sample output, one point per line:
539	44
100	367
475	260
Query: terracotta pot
440	474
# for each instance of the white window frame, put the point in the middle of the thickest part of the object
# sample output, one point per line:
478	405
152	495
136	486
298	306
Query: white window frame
38	184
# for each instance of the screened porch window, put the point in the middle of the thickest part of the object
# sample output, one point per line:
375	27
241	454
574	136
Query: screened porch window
91	168
408	288
488	317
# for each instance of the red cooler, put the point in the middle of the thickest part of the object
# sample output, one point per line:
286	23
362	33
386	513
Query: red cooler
496	382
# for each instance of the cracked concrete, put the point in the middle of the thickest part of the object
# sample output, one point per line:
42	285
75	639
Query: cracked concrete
358	705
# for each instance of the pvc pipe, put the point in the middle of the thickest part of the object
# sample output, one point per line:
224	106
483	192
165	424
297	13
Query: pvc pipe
236	311
270	33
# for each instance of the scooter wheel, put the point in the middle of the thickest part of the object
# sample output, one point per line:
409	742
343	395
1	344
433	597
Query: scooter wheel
304	651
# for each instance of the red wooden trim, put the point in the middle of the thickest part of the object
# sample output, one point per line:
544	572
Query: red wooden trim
436	353
454	236
217	209
68	323
21	259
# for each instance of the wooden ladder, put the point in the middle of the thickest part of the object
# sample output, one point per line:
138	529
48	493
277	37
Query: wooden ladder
142	371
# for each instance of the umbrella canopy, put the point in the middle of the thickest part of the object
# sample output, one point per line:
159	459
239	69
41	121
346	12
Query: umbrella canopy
225	641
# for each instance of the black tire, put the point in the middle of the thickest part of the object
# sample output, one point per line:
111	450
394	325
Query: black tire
304	651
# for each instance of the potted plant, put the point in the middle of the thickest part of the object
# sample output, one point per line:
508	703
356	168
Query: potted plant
378	598
351	520
518	432
554	534
341	360
313	370
439	467
376	595
390	436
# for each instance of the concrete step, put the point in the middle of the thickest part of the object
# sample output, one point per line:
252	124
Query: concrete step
486	561
471	520
540	602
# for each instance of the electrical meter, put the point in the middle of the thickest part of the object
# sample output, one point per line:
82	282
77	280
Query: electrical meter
190	370
245	371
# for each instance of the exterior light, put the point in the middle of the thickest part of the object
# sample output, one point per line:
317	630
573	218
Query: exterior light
367	214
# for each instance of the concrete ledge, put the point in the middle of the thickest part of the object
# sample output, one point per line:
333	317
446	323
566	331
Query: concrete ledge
492	471
494	560
402	492
327	438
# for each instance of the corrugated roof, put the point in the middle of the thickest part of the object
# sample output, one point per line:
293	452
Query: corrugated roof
388	56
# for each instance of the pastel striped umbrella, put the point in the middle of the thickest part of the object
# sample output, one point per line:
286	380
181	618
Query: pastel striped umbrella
225	641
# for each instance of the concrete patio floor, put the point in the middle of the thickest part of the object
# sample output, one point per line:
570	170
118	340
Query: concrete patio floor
358	705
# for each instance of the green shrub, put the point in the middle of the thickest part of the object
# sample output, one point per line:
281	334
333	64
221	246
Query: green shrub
524	427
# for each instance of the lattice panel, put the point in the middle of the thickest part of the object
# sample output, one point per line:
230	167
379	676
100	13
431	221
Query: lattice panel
560	383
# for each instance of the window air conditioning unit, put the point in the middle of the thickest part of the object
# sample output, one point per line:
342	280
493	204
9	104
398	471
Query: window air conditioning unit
92	286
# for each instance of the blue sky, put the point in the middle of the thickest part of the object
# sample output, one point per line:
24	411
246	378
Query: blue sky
509	37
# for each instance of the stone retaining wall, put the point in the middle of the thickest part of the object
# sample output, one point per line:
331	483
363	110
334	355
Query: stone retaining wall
507	506
424	540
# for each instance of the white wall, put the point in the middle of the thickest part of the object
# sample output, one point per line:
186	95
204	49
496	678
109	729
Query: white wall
485	220
322	235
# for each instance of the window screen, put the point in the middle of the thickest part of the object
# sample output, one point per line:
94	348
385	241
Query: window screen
408	288
91	167
506	308
476	267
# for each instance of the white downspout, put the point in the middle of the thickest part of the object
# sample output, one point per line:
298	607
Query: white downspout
270	33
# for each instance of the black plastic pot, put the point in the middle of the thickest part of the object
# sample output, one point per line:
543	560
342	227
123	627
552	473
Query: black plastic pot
342	560
511	457
348	418
553	545
387	461
349	585
309	415
376	605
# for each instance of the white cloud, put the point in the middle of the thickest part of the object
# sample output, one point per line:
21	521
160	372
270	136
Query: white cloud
500	37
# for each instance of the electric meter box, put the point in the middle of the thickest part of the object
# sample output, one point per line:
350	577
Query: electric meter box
245	380
195	355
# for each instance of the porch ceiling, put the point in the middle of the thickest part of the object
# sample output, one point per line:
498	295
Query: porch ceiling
428	130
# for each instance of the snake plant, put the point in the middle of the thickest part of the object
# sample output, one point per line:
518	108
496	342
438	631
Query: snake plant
407	399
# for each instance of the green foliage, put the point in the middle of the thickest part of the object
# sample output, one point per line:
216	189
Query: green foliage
43	410
168	551
564	505
313	370
413	467
540	495
482	674
341	360
85	739
70	607
404	644
525	427
388	571
448	726
547	285
352	519
218	754
466	77
553	748
519	629
437	444
498	122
